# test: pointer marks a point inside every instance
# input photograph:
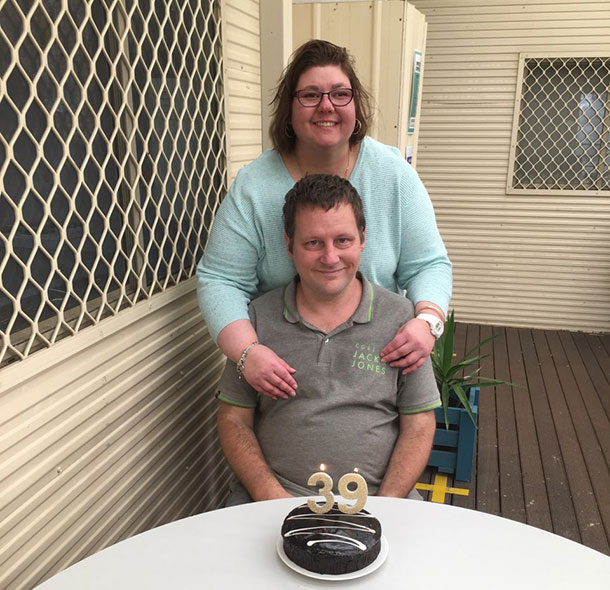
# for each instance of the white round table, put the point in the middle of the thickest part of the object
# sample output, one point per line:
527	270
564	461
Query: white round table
430	546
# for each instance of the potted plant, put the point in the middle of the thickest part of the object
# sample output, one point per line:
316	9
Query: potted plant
455	437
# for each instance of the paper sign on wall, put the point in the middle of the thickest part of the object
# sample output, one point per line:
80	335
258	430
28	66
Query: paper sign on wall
414	90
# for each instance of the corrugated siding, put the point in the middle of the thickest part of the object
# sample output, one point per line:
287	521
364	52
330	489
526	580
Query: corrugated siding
242	81
519	260
106	435
112	432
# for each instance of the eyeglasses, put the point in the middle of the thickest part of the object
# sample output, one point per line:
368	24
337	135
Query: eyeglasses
339	97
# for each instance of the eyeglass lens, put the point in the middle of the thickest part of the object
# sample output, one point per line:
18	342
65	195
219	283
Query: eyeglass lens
339	97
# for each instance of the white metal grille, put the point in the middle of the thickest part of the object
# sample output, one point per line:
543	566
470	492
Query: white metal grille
112	157
561	142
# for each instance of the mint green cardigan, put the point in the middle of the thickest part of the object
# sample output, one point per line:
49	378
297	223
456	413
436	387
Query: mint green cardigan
246	253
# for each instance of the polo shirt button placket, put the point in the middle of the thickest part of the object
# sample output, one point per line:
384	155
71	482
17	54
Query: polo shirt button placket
324	351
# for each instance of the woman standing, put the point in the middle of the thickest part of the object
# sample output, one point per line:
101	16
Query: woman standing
320	122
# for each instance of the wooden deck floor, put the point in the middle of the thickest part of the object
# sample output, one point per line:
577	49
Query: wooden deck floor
543	449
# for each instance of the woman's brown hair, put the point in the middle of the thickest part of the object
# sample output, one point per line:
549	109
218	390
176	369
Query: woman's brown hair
311	54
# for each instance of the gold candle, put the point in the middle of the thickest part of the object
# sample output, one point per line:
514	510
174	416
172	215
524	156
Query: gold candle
326	490
360	493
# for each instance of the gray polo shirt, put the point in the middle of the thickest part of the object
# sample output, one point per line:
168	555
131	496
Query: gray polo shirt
345	413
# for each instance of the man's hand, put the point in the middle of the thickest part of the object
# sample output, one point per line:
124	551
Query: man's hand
410	347
269	374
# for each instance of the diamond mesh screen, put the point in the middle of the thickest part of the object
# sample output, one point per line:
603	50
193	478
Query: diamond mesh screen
111	157
563	126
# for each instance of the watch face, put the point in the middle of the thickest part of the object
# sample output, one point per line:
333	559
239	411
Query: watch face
436	325
437	328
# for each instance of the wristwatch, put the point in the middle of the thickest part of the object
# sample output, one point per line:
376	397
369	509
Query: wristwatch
436	325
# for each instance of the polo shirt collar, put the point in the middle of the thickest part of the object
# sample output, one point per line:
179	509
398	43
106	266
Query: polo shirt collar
362	315
290	301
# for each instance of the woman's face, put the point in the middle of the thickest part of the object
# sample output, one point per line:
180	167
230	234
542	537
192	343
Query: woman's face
326	125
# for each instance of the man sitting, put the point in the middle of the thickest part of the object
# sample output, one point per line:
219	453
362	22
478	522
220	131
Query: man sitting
330	323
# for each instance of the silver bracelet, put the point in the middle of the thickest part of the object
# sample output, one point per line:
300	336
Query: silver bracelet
242	359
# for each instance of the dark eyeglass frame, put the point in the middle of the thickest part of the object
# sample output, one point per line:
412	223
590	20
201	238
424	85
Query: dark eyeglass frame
329	94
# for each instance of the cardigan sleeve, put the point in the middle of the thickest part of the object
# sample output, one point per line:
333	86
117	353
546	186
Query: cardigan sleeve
404	249
227	272
424	269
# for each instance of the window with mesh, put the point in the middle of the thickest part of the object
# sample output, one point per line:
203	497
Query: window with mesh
563	125
112	157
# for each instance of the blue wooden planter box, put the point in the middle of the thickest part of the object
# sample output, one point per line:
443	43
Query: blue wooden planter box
453	449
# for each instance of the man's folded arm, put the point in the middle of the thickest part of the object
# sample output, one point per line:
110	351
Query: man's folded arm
410	454
244	455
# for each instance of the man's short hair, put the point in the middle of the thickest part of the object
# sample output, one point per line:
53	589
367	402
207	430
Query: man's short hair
325	191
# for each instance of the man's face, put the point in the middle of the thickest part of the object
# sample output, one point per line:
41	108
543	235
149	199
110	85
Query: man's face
326	249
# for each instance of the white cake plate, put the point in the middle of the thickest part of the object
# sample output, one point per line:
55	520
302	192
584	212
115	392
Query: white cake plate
369	569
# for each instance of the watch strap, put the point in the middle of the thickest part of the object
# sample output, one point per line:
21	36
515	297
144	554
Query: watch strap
436	324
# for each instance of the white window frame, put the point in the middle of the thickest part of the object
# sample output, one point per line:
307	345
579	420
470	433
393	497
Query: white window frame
510	188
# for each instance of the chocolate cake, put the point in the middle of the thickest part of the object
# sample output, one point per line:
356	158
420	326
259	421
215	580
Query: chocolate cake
331	543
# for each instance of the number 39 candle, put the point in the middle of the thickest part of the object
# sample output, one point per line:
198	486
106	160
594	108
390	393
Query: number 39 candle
360	493
326	490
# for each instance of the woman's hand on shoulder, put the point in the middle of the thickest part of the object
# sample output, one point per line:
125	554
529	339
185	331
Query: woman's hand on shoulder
410	347
269	374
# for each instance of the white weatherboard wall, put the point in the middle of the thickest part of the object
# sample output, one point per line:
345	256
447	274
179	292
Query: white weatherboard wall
112	431
107	434
242	58
520	260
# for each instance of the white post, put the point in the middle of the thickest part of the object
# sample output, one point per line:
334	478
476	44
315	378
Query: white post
276	47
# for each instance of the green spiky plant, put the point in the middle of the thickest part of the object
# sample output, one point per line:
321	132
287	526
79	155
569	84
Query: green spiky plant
454	376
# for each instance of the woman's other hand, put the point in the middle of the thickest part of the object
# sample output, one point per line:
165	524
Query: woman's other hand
269	374
410	347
